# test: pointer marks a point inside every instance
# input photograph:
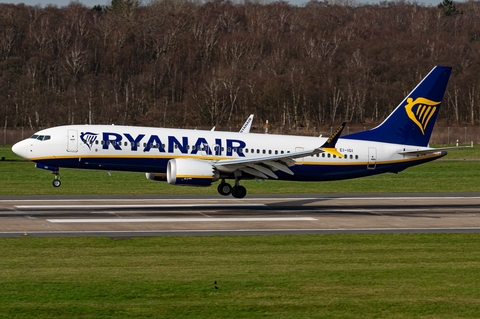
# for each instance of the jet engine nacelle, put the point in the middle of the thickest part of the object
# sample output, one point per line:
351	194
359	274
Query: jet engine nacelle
191	172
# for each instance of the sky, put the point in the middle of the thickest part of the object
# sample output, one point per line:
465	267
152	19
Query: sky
91	3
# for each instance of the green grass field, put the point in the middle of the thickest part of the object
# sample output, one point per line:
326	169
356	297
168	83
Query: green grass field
302	276
311	276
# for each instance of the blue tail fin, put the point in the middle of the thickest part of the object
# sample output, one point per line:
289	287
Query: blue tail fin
411	123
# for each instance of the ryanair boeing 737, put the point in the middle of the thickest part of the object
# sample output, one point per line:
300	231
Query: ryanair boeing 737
200	158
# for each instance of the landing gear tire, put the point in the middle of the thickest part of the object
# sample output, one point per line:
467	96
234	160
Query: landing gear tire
239	191
56	183
224	189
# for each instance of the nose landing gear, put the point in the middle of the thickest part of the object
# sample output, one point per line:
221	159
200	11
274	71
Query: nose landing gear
54	170
56	181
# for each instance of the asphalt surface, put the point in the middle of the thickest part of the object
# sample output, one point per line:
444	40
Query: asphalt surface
120	216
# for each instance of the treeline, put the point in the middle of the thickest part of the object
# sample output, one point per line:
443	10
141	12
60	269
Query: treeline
176	63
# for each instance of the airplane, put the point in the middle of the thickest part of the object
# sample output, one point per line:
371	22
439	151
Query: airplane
201	157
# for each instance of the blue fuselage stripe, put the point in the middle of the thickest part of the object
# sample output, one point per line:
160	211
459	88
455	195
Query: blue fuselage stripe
305	172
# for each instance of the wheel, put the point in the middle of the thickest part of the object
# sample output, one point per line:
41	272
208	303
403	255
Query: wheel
239	191
224	189
56	183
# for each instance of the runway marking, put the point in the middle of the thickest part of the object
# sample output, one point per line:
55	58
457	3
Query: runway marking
113	206
178	220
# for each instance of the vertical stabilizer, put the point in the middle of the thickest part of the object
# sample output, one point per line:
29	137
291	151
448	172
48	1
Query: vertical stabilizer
412	122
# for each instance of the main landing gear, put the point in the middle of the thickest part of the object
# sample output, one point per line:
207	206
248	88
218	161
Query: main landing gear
225	189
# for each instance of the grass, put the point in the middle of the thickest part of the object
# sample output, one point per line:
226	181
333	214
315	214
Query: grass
311	276
456	173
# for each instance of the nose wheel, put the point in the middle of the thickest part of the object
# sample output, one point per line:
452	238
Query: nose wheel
56	181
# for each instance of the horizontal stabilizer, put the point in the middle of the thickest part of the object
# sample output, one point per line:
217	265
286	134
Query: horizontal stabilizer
428	151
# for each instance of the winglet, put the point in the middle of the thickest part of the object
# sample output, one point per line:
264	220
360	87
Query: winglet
329	145
248	124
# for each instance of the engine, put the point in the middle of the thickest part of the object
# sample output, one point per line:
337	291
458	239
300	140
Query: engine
191	172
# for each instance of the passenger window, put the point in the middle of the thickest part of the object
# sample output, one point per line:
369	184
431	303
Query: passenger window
263	151
246	150
356	156
351	156
281	152
258	151
323	154
269	151
276	152
328	155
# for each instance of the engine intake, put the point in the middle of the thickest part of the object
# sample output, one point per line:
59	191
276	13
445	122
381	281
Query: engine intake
191	172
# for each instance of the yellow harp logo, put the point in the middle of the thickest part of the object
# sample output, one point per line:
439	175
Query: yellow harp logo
421	111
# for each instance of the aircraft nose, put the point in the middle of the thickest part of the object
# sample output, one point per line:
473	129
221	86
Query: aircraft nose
20	149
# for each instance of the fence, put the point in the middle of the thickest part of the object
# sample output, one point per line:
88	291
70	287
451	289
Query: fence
440	135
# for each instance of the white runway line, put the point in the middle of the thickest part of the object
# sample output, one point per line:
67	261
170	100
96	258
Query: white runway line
178	220
140	206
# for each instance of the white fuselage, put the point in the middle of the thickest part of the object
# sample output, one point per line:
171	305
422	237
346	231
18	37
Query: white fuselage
146	149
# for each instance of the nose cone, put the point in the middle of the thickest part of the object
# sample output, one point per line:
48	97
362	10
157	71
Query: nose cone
20	149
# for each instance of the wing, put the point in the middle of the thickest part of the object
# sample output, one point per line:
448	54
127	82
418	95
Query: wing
264	167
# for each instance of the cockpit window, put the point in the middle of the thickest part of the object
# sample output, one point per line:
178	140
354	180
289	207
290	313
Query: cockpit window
41	137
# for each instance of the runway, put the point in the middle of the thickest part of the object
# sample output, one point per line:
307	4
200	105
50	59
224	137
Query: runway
123	216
